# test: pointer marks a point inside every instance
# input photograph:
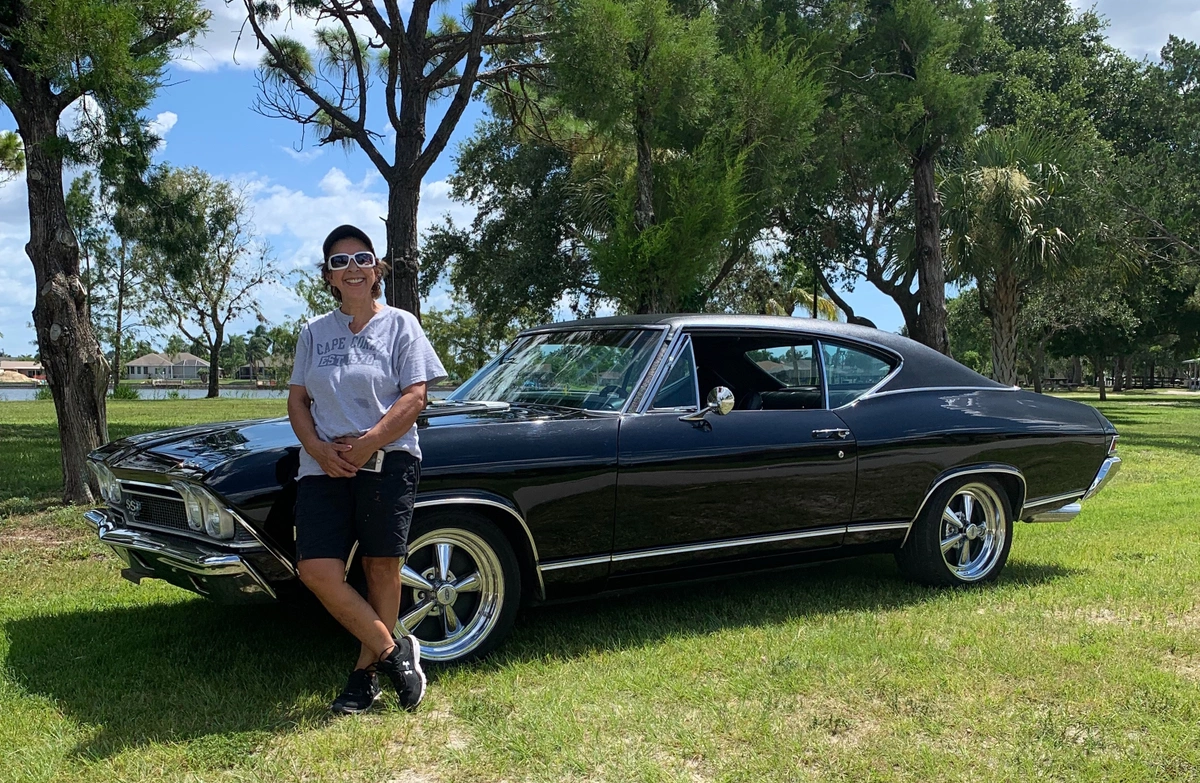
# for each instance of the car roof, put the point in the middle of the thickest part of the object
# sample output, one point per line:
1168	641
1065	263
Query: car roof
921	367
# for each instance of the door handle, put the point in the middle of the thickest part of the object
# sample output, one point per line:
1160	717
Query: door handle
835	434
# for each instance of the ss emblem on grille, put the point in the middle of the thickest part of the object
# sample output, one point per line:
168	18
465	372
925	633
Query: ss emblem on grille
134	506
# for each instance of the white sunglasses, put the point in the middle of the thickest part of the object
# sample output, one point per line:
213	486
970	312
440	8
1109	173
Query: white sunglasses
339	261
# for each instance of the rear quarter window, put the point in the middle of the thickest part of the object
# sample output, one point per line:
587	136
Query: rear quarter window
851	372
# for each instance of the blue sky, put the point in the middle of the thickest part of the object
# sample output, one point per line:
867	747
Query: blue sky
299	192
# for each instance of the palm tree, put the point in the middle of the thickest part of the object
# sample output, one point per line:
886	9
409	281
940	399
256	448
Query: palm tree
1008	211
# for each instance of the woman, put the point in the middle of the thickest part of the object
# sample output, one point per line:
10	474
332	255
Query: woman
356	389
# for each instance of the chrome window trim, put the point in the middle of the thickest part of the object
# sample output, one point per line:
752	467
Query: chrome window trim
916	389
468	500
674	354
819	346
645	399
968	471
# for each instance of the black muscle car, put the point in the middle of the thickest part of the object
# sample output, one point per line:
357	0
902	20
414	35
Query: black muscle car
604	454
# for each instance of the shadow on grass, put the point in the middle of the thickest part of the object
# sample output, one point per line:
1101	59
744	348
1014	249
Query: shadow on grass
647	616
222	676
180	672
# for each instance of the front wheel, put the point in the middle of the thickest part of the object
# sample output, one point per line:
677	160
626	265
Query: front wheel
962	536
460	587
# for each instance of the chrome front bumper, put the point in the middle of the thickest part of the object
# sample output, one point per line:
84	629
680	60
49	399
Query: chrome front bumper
214	574
1110	468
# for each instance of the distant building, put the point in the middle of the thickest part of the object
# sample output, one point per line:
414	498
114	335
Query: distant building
262	369
28	369
179	367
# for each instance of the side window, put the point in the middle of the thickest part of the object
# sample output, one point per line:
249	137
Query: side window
794	366
678	389
796	370
850	372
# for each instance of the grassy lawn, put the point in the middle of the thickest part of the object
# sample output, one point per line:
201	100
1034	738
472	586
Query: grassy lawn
1081	663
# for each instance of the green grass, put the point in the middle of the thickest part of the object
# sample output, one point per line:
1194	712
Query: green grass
1081	663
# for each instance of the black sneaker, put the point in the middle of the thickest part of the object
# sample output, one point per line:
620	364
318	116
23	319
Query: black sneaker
361	691
403	667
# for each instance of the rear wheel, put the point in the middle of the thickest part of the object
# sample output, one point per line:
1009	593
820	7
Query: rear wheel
460	587
962	536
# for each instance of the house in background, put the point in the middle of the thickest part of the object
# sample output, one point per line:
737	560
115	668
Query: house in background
32	370
264	369
177	367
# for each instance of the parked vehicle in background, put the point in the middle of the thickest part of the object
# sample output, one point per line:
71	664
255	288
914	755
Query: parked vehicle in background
605	454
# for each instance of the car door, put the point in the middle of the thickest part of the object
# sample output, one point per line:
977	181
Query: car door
773	475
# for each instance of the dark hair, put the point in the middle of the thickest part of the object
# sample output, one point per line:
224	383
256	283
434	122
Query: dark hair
380	269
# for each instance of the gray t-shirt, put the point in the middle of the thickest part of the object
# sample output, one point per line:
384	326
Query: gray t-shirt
353	379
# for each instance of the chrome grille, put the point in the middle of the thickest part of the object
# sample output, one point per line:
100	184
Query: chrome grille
161	507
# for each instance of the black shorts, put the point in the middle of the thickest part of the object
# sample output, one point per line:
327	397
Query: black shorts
374	509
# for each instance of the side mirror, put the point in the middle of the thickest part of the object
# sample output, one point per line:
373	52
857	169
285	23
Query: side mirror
720	402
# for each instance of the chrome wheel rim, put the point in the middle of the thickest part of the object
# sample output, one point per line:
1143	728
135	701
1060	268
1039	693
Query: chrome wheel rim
452	590
973	532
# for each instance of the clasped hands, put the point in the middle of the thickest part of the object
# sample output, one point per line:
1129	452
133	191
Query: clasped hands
342	457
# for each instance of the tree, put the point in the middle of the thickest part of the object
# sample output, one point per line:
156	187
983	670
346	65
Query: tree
12	157
233	355
113	275
414	64
52	54
213	279
258	348
911	63
462	342
175	345
1009	215
283	339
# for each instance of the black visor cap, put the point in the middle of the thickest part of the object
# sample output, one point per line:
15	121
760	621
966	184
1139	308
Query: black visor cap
342	232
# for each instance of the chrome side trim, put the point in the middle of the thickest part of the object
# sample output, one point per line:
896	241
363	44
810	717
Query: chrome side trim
459	500
954	473
1062	514
1109	468
576	563
877	527
728	543
682	549
1053	500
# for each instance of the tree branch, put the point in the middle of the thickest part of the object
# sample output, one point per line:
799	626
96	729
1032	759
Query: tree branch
336	114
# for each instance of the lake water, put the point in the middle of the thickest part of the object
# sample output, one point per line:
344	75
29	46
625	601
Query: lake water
13	395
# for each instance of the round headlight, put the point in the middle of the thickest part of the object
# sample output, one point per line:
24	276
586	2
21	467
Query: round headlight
195	512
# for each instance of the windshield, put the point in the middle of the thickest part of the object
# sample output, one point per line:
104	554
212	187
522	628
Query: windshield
590	369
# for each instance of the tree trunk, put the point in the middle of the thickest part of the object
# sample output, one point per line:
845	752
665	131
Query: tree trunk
1002	310
1098	364
120	316
643	210
402	289
1118	374
1148	381
214	365
931	271
1076	370
75	367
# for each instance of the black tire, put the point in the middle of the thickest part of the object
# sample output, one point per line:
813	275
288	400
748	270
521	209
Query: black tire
485	615
987	535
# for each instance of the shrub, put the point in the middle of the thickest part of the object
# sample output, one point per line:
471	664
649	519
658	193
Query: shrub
123	391
43	393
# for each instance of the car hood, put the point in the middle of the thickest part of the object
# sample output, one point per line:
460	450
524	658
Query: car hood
199	449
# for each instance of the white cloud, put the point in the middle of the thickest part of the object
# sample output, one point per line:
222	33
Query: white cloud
162	123
1141	28
303	156
230	41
